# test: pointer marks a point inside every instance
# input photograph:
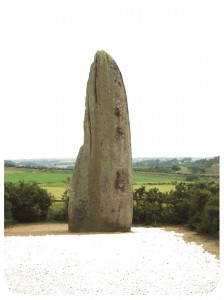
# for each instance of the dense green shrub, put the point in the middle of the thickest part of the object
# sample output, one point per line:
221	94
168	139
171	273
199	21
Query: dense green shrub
209	218
58	212
29	202
195	204
147	206
8	219
65	197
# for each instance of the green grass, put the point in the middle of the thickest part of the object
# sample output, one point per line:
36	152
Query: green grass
156	178
52	181
40	176
57	191
161	187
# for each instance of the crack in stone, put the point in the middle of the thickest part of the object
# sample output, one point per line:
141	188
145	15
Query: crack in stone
90	129
95	85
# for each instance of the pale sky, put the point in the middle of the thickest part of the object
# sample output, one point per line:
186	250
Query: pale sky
170	53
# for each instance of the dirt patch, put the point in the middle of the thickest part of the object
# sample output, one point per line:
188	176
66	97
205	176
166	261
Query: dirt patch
37	229
209	243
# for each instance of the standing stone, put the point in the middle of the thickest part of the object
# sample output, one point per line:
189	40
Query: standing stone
101	187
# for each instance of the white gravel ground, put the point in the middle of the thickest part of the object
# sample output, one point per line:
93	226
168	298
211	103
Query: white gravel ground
148	261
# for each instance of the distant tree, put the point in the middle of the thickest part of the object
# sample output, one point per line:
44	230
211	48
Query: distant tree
192	177
176	168
186	159
9	163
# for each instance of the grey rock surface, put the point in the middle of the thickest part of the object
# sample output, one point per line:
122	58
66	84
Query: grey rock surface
101	187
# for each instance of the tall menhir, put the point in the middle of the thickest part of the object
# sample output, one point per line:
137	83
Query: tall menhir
101	187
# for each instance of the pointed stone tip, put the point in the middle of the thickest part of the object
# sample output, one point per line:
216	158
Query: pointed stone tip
102	55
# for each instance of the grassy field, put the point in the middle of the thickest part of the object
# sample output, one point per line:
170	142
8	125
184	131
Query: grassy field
52	181
166	187
43	177
55	180
162	181
155	178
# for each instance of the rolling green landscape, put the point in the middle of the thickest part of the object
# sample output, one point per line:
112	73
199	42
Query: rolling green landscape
54	181
165	191
150	173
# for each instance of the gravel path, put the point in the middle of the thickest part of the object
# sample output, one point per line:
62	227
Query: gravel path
148	261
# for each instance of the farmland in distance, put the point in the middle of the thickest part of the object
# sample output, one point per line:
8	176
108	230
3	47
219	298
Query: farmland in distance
151	173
